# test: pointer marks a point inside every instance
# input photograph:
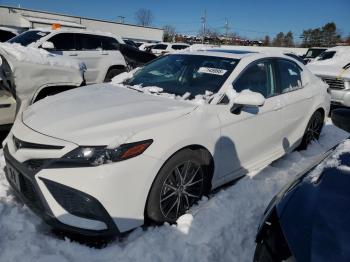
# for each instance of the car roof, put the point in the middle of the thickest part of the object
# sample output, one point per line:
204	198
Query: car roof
74	30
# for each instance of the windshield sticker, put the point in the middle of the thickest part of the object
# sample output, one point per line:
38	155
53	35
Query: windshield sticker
41	33
212	71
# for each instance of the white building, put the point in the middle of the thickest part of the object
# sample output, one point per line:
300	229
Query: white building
23	19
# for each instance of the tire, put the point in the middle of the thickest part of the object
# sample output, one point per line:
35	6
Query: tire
112	73
313	130
180	183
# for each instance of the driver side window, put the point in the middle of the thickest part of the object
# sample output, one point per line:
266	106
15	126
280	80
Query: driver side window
259	78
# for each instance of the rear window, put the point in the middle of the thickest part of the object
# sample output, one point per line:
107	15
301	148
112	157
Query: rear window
28	37
290	75
160	47
179	47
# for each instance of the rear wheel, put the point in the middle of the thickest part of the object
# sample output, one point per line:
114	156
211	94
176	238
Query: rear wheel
112	73
313	130
181	182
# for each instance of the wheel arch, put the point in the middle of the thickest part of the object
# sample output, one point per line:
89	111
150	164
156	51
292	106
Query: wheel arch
201	149
44	91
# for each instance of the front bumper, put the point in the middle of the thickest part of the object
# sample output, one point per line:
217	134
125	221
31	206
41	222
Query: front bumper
121	188
340	97
31	194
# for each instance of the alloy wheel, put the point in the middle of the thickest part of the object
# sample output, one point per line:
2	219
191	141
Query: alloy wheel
181	189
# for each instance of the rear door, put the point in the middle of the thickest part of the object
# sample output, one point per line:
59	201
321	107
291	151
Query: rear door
297	100
90	52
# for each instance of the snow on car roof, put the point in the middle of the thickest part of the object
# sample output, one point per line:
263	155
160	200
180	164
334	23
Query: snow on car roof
37	56
75	30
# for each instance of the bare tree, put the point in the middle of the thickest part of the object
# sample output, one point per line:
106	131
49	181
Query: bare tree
169	33
144	17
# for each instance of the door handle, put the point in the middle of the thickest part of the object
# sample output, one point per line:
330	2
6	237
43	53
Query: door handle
73	54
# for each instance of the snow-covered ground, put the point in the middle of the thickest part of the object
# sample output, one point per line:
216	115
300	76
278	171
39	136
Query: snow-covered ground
219	229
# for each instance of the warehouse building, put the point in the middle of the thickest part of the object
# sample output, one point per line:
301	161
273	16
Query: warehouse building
23	19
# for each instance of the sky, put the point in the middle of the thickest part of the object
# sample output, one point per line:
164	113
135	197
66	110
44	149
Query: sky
248	18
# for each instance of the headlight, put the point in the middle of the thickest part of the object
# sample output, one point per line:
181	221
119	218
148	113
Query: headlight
95	156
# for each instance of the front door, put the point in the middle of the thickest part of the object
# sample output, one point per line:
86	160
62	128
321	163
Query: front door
253	137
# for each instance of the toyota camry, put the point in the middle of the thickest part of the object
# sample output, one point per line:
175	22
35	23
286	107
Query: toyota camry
99	160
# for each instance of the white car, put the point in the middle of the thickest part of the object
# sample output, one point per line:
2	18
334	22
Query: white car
333	67
99	160
164	48
29	74
99	51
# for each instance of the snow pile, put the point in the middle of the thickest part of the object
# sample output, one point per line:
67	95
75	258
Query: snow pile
221	228
37	56
332	161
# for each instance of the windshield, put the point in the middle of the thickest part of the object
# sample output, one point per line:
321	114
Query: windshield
312	53
326	55
28	37
181	74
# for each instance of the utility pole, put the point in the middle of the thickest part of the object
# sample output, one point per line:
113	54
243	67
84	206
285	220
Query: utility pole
204	24
121	19
226	29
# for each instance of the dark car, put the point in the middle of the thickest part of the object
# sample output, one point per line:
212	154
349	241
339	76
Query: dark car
310	219
135	57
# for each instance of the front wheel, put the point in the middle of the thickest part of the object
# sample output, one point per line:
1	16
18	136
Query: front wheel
313	130
180	183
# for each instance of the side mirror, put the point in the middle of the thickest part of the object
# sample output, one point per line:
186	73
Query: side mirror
48	45
341	118
247	99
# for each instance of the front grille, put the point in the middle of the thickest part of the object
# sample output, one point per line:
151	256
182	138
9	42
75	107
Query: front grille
20	144
27	188
334	83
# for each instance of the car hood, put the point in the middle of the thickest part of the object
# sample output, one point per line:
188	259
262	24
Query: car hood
330	70
314	216
102	114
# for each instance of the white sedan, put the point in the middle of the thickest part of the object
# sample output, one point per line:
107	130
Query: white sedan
100	160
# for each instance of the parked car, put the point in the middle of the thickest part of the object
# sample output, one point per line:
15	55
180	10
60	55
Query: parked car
144	46
307	220
333	66
28	75
99	160
7	33
312	53
164	48
99	51
134	57
130	43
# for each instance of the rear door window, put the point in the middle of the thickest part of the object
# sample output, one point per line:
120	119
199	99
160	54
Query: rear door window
89	42
289	75
109	43
63	41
